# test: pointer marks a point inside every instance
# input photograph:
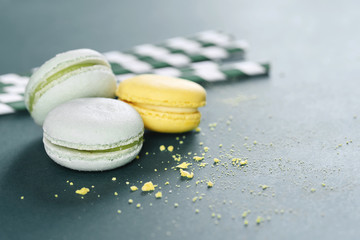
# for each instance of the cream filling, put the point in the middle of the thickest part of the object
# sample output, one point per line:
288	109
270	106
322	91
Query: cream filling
166	109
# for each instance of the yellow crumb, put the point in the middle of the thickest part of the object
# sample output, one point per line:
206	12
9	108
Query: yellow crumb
148	186
114	179
244	162
82	191
202	164
155	170
220	145
181	142
206	149
264	187
183	165
246	222
197	210
244	214
134	188
119	211
170	148
194	199
22	197
216	160
56	195
258	220
115	193
313	190
137	157
197	129
71	183
167	183
176	205
158	195
186	174
197	158
201	143
255	142
138	205
323	184
127	183
162	148
210	184
130	201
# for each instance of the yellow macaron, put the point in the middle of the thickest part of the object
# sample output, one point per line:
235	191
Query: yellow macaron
166	104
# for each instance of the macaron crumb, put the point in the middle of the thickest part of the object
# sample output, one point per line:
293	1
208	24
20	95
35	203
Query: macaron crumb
210	184
183	165
162	148
312	190
176	205
167	183
259	220
198	129
55	195
113	179
130	201
71	183
115	193
118	211
197	211
22	197
194	199
170	148
202	164
181	142
264	187
246	222
127	183
138	205
158	195
186	174
206	149
148	186
198	158
216	160
134	188
82	191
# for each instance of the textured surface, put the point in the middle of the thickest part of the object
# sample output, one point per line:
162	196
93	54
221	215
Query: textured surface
306	109
93	124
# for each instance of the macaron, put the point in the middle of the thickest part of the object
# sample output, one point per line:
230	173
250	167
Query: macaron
166	104
74	74
93	134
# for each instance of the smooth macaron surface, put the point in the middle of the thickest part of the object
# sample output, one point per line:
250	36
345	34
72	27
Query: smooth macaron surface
166	104
93	134
73	74
162	91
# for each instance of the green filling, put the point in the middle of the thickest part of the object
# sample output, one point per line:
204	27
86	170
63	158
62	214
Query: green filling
130	145
57	75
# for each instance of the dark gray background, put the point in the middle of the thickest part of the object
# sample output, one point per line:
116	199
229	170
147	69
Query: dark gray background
306	108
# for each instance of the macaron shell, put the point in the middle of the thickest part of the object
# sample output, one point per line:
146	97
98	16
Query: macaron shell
86	161
162	91
167	122
60	62
96	83
93	124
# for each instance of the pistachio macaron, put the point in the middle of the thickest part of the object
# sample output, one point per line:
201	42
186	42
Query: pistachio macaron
166	104
74	74
93	134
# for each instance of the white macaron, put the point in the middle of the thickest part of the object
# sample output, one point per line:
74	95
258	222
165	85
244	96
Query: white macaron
93	134
69	75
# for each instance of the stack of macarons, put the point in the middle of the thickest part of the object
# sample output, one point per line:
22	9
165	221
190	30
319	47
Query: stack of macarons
85	128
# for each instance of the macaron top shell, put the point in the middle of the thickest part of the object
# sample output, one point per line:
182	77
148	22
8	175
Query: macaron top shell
93	124
162	91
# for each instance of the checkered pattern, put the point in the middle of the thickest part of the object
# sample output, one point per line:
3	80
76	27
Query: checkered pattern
197	58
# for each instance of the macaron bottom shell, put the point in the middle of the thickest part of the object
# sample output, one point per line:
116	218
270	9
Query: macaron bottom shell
168	122
91	160
79	85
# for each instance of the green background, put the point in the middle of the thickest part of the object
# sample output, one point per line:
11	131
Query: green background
308	109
